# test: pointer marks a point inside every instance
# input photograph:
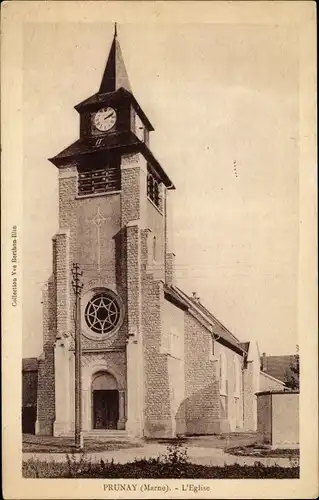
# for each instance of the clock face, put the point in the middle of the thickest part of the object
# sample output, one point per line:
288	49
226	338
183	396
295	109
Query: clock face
105	119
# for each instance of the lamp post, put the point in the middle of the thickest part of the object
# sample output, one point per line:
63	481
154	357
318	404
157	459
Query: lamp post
77	288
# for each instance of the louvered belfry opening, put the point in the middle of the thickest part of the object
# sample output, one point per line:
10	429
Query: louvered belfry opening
153	189
99	175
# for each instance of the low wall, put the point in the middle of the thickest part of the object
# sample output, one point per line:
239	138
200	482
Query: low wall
278	418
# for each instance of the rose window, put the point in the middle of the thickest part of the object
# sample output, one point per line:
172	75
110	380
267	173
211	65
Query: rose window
102	313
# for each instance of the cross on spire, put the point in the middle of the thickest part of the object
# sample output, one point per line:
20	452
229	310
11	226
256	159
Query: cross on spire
115	75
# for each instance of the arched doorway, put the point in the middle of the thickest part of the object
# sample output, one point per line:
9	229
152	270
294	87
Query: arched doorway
105	401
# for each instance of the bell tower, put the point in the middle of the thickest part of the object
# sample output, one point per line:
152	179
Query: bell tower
112	219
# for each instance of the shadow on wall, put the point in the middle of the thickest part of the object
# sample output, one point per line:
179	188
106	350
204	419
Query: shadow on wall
200	412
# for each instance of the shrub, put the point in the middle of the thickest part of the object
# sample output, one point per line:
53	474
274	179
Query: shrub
173	463
75	466
176	454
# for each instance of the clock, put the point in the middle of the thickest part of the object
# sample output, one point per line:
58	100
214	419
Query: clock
105	119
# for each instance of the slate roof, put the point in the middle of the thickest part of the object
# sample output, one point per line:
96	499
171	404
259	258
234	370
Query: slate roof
121	142
29	364
121	95
219	328
278	366
115	74
86	146
175	298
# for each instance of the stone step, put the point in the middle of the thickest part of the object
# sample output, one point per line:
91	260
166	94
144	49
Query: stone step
104	434
108	434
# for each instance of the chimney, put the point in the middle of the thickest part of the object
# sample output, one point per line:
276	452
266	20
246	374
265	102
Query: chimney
263	362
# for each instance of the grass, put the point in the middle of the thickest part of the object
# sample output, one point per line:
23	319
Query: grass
154	469
258	451
48	444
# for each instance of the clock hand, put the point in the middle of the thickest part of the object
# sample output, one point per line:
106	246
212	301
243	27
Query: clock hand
108	116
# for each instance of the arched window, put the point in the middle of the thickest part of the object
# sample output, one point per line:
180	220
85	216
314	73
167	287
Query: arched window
150	185
156	193
153	189
223	374
237	373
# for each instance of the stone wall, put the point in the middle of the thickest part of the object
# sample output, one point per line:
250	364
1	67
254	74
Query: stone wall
46	367
156	226
202	405
133	220
157	392
173	344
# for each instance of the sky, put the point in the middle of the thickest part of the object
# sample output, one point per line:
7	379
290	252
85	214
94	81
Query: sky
224	102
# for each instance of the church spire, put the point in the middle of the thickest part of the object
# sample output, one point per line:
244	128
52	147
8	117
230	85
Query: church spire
115	75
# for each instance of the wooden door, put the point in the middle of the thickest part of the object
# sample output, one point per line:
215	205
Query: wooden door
105	409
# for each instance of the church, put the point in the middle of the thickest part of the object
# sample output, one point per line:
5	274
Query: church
155	361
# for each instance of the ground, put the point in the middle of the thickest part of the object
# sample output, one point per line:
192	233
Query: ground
48	444
222	441
204	450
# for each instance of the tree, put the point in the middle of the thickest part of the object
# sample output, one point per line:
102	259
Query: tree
292	377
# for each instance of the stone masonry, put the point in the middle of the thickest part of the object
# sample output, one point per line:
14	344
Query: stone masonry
154	350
